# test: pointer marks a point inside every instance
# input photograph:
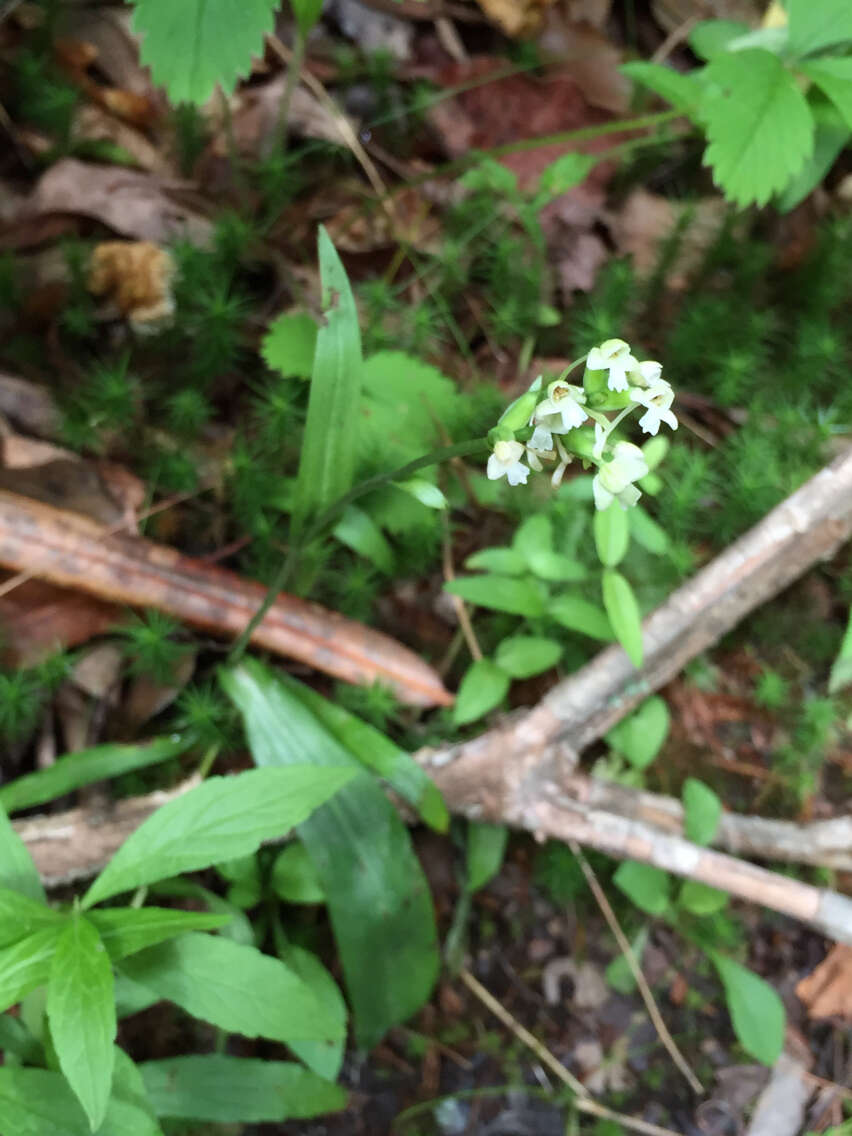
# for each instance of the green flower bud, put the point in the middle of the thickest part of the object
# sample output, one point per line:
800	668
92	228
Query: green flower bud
608	400
500	433
580	441
518	413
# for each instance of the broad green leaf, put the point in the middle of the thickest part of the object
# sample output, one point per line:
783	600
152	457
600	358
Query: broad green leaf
330	440
841	669
535	533
550	565
501	561
580	615
830	136
289	345
648	887
35	1102
682	91
612	534
712	37
701	899
378	752
759	127
294	878
85	767
639	736
17	870
127	1085
486	846
125	930
523	656
816	24
618	973
21	916
322	1057
236	988
26	964
237	1090
834	78
193	45
81	1013
702	811
757	1013
645	531
377	895
483	687
623	612
518	596
222	818
358	531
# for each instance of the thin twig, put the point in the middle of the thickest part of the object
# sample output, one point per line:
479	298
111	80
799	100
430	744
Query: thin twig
584	1102
462	614
635	969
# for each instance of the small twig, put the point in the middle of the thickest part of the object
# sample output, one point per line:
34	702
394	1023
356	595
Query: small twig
294	71
674	39
635	969
584	1102
461	611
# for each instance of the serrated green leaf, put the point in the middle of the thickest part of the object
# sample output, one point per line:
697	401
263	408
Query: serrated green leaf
290	345
834	78
236	988
26	964
330	440
377	895
830	136
579	615
612	534
222	818
623	613
21	916
35	1102
501	561
195	44
648	887
702	811
125	930
760	129
682	91
483	687
523	656
712	37
89	765
81	1012
322	1057
701	899
645	531
757	1013
640	736
841	669
517	596
486	846
17	870
237	1090
816	24
294	878
358	531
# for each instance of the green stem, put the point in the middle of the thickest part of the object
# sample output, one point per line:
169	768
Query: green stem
294	70
327	517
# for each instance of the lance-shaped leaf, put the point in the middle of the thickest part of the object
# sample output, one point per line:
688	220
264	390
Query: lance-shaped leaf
21	916
26	964
126	930
17	870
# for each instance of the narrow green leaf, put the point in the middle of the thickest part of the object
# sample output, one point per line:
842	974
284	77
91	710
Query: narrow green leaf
500	593
580	615
236	988
289	345
640	736
645	531
612	534
21	916
322	1057
501	561
193	45
841	670
759	127
483	687
378	752
710	38
682	91
237	1090
563	174
26	964
81	1012
702	811
17	870
294	878
358	531
701	899
624	615
648	887
377	895
222	818
757	1013
816	24
523	656
83	768
486	846
35	1102
330	440
126	930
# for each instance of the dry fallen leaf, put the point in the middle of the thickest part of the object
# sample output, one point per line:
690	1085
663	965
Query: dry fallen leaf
94	124
28	406
37	619
827	992
516	17
137	276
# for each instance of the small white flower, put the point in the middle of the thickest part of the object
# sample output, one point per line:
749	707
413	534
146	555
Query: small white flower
647	373
541	440
562	410
614	356
564	460
506	462
614	479
534	459
658	399
601	435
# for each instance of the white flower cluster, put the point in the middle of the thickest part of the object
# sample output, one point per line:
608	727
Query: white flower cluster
614	379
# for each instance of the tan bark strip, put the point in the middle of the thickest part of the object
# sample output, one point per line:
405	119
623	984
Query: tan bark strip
76	552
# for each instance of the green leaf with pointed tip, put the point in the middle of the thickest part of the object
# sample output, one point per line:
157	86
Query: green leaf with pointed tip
81	1012
26	964
645	531
515	595
486	846
579	615
483	687
623	612
35	1102
192	45
841	669
126	930
647	886
640	736
17	870
501	561
323	1057
612	534
358	531
712	37
757	1013
816	24
701	899
21	916
682	91
221	819
290	344
523	656
702	811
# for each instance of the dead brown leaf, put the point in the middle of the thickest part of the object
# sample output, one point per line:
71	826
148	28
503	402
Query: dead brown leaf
37	619
137	276
94	124
29	406
591	59
827	992
516	17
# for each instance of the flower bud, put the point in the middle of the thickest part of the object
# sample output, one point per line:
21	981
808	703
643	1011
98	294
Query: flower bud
518	413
